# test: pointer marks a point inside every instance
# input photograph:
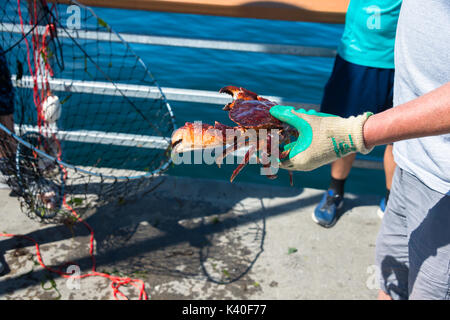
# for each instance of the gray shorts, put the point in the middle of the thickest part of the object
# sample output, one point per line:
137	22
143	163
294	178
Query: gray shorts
413	244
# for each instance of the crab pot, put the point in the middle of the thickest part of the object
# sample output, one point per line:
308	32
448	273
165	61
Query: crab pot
90	121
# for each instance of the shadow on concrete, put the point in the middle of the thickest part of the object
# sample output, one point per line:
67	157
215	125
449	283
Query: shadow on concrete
163	236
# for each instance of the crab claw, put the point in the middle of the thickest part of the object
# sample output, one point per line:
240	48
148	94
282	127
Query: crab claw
194	136
197	135
231	90
239	93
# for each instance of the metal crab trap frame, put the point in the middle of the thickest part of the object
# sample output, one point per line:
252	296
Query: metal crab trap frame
91	122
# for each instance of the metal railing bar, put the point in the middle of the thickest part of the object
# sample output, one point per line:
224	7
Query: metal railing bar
101	137
78	168
141	91
143	141
186	42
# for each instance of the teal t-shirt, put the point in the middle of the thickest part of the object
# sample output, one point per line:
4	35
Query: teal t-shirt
369	33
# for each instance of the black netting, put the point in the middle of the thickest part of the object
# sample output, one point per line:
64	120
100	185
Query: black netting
90	121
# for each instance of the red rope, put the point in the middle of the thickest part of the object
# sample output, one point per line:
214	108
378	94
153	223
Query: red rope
36	99
40	49
116	282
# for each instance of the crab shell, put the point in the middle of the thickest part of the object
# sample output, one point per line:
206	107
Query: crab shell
249	110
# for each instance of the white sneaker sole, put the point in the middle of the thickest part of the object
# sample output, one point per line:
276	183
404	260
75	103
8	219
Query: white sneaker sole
380	213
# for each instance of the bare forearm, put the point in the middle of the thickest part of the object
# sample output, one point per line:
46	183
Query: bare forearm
425	116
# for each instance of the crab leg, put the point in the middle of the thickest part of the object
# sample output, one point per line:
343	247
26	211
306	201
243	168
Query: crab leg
284	155
266	169
229	150
264	160
265	149
247	156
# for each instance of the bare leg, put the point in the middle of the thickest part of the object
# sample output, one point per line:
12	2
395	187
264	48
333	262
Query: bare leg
383	296
340	169
389	165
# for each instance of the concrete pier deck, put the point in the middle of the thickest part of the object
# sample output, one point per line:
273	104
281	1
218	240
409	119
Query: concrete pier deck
200	239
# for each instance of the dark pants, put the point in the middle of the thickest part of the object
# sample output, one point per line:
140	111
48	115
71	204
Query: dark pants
354	89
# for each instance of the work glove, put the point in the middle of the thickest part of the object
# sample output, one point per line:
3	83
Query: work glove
323	138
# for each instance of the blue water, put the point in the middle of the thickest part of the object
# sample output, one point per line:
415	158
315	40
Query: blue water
298	78
294	78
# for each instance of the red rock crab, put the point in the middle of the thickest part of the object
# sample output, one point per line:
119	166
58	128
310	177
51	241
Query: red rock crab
256	129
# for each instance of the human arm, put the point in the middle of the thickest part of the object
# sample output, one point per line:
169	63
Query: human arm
324	138
427	115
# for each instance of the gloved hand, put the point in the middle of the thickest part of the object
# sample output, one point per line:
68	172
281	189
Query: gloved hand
323	138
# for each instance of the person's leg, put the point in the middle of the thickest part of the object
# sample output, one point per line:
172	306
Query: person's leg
8	144
7	147
389	168
429	241
389	165
383	296
391	251
388	159
413	245
338	99
8	121
340	169
351	90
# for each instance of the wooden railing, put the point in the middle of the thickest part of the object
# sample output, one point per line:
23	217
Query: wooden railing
327	11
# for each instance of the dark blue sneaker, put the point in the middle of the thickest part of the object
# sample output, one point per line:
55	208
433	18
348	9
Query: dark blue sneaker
326	212
382	208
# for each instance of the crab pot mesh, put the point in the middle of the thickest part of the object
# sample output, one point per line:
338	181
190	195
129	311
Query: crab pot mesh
91	124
